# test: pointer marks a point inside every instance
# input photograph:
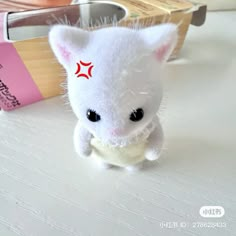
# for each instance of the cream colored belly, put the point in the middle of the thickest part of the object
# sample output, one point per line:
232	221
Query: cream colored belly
119	156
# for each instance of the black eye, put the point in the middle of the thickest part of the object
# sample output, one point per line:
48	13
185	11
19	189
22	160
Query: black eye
93	116
137	115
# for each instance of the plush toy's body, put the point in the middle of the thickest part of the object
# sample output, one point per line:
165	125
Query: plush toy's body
116	103
130	153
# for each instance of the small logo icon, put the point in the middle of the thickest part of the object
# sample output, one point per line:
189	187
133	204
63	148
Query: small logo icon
88	73
212	211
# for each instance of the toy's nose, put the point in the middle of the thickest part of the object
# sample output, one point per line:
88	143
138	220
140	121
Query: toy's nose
116	132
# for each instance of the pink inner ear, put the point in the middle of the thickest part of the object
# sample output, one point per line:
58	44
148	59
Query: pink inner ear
64	52
162	51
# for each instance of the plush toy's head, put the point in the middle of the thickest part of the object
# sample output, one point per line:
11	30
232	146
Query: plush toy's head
120	91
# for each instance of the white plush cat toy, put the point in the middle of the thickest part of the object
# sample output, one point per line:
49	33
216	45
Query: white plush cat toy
115	90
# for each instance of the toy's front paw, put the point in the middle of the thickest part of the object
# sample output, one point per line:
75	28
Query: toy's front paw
83	151
152	154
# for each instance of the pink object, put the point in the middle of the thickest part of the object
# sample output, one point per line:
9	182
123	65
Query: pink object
116	132
161	52
17	88
66	54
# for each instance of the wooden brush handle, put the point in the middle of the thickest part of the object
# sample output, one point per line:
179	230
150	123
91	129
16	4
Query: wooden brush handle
19	5
41	3
48	16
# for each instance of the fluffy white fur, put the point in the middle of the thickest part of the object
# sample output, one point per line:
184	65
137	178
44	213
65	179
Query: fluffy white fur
126	76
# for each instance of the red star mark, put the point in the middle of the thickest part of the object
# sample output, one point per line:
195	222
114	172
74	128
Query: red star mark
89	73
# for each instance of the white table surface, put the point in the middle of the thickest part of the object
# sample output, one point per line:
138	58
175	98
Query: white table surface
46	190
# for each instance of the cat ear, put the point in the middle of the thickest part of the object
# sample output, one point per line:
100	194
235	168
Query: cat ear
161	39
66	41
